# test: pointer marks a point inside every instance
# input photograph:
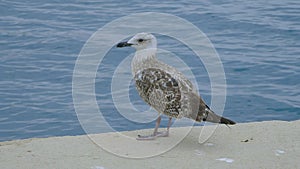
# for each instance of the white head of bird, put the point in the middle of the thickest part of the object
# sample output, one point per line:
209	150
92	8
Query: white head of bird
140	41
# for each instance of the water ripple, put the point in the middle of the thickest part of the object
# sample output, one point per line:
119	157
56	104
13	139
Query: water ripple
258	43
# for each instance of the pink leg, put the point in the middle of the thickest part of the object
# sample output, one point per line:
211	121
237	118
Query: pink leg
157	125
165	133
156	133
169	123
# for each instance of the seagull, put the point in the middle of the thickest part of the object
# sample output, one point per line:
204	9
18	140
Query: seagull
164	88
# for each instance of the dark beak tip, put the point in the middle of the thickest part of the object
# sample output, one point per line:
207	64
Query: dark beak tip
119	45
123	44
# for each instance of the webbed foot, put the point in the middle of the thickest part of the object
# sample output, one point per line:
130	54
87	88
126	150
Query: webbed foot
153	136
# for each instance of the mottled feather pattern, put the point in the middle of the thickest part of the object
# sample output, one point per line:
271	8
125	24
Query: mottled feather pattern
160	90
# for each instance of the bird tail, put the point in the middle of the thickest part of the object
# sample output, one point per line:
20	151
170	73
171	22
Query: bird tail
213	117
210	116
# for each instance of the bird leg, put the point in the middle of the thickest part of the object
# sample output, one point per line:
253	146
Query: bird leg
156	133
165	133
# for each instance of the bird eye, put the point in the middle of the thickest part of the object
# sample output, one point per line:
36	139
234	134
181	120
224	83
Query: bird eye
140	40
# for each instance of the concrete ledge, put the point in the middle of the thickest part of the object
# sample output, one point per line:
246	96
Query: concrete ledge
272	144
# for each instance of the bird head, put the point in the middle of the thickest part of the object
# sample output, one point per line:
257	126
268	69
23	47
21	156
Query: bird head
140	41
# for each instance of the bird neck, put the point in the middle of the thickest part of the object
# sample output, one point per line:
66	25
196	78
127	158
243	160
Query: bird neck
144	59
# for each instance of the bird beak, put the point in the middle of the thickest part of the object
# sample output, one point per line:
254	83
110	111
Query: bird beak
123	44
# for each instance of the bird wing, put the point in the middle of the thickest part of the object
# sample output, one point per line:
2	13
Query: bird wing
160	90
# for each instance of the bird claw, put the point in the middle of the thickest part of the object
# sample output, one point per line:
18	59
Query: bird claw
153	136
149	137
162	134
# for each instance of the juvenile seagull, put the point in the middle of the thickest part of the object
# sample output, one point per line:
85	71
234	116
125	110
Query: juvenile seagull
164	88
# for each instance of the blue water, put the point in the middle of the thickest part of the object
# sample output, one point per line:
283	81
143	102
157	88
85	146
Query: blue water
258	42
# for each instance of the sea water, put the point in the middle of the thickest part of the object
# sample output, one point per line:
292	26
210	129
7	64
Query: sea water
257	41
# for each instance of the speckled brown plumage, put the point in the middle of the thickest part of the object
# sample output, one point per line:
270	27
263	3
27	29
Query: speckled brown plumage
160	90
